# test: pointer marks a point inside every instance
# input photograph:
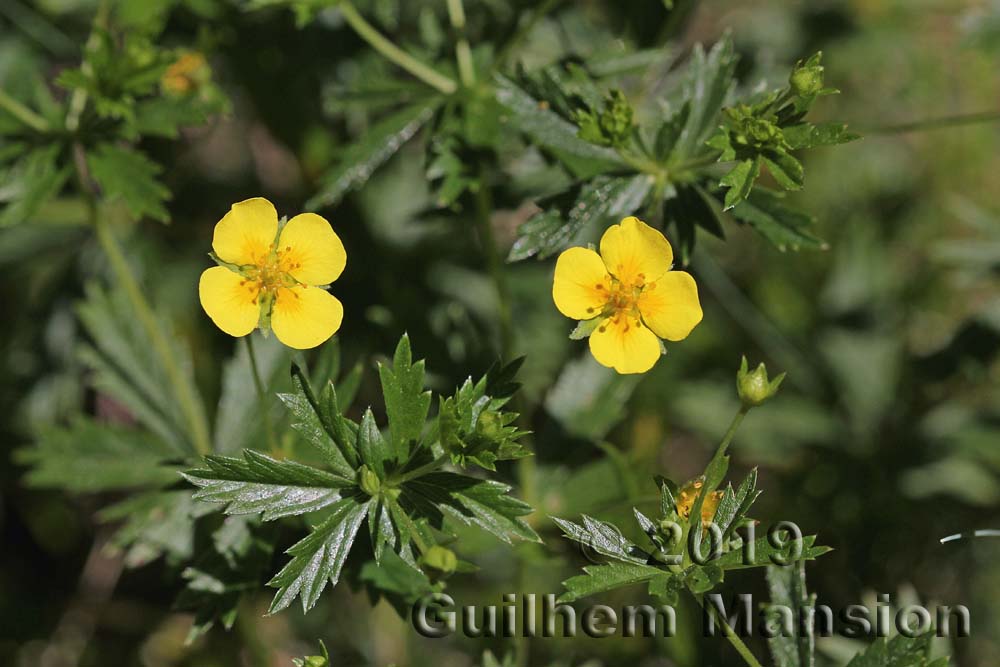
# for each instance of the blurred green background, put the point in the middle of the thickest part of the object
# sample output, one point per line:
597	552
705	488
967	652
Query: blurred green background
885	437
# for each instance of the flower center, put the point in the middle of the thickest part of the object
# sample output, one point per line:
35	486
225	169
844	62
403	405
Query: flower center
271	273
622	300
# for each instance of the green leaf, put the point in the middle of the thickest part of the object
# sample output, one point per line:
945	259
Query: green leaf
603	198
708	83
606	577
157	523
785	227
320	422
603	538
125	173
239	419
406	402
399	582
787	586
128	369
319	557
33	180
764	552
164	116
785	169
375	451
363	157
591	413
900	651
808	135
740	180
691	207
88	456
259	484
482	503
535	119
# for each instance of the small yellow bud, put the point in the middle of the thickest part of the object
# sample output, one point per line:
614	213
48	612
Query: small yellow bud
440	558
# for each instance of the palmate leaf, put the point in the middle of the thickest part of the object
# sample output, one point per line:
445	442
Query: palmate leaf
766	211
319	557
34	179
363	157
547	128
709	82
89	456
603	198
259	484
127	174
406	402
899	651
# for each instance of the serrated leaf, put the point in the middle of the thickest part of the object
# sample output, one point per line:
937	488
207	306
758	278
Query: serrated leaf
603	198
363	157
708	83
603	538
606	577
900	651
808	135
740	180
787	586
372	446
406	402
785	227
319	557
785	169
125	173
546	127
259	484
29	183
765	553
482	503
88	456
320	422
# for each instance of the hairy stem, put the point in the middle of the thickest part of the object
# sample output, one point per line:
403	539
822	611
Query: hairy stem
272	442
380	43
22	113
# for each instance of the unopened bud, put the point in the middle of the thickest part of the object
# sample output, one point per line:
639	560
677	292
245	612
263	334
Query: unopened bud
440	558
753	386
369	481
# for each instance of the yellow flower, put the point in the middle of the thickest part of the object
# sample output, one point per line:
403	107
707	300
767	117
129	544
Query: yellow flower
271	275
185	74
689	493
629	295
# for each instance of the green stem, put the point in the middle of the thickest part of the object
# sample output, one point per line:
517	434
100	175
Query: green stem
734	639
380	43
23	113
494	264
463	52
422	470
272	443
733	427
936	123
161	346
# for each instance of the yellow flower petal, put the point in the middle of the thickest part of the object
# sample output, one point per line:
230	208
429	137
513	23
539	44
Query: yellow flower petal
303	317
311	251
581	284
244	235
229	300
669	306
635	253
626	346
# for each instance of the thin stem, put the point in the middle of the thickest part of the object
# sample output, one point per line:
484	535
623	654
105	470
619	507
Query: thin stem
422	470
463	52
936	123
733	427
494	263
23	113
734	639
78	101
380	43
182	388
261	395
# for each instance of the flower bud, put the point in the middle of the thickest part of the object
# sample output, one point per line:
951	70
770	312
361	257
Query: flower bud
807	78
753	386
440	558
369	481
